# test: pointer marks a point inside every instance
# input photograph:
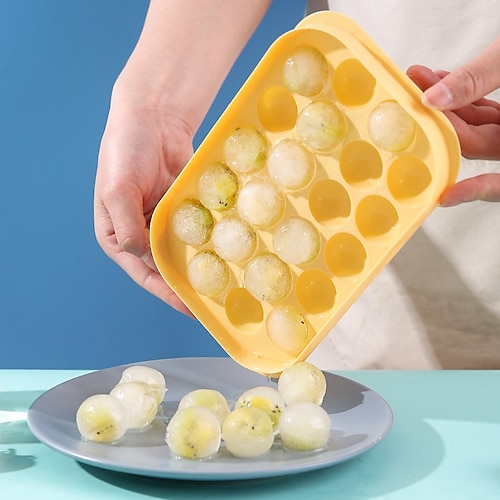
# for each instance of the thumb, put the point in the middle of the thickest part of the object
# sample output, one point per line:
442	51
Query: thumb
468	83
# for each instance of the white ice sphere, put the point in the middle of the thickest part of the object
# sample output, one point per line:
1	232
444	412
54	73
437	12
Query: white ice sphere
304	427
208	274
260	203
192	222
391	127
217	187
301	382
245	150
234	239
139	401
147	375
267	277
290	164
305	71
248	432
287	328
296	240
208	398
321	125
101	418
267	399
193	432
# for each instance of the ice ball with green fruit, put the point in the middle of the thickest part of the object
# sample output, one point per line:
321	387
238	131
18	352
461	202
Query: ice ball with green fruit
301	382
217	186
321	125
146	375
305	71
207	398
193	432
101	418
304	426
267	399
267	277
390	127
192	222
245	149
248	432
208	274
287	328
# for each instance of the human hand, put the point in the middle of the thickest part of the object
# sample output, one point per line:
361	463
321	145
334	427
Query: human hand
142	151
476	119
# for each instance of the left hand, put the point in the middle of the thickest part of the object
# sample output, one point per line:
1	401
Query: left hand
476	119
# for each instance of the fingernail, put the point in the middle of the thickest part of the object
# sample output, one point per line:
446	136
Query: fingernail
437	97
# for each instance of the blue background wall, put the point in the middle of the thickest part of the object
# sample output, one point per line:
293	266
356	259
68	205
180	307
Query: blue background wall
63	303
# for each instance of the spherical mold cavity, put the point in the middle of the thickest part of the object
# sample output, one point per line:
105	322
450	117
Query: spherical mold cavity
277	109
243	311
353	84
408	177
345	255
376	216
360	164
329	202
315	291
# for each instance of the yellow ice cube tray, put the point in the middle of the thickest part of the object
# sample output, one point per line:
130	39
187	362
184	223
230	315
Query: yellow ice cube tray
365	201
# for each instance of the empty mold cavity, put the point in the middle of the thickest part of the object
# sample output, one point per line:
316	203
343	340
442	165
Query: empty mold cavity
345	255
329	202
360	163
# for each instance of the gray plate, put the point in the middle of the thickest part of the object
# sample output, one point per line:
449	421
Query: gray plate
360	419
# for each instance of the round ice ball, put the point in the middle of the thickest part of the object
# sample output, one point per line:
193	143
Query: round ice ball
296	240
287	328
391	127
193	432
304	427
305	71
321	125
217	186
248	432
302	381
192	222
208	274
234	239
290	164
260	203
139	401
148	375
207	398
101	418
267	277
245	150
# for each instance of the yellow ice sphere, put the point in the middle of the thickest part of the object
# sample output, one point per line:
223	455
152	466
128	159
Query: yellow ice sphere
305	71
146	375
193	432
234	239
101	418
208	274
287	328
267	277
391	127
192	222
207	398
217	187
265	398
321	125
296	240
290	164
139	401
260	203
248	432
245	150
302	382
304	427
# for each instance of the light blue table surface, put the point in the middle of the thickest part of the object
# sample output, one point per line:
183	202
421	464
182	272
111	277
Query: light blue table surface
444	444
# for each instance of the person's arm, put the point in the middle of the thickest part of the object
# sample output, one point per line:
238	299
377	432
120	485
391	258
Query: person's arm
476	119
182	57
